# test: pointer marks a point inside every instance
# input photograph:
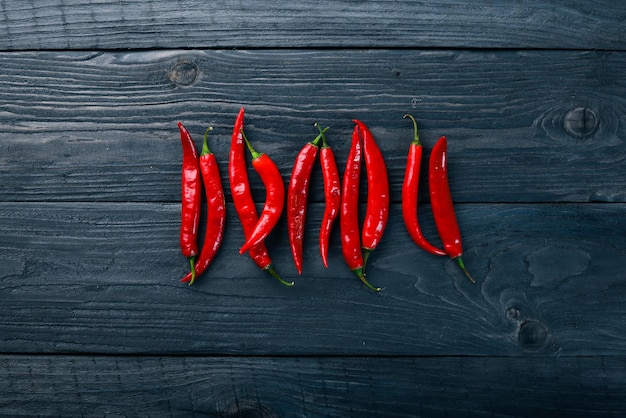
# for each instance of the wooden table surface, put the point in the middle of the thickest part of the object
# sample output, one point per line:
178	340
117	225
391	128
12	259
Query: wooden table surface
94	320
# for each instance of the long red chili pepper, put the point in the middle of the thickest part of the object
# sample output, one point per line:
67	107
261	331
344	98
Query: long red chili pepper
377	211
274	196
332	196
441	201
349	218
297	194
191	198
243	201
410	193
216	210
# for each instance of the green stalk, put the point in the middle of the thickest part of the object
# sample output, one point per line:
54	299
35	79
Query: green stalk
459	261
205	145
274	274
366	255
361	275
192	263
255	154
320	136
416	138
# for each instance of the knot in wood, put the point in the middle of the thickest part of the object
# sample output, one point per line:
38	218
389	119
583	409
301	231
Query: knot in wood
184	73
580	122
532	335
513	314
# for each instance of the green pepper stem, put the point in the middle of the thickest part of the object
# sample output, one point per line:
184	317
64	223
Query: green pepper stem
254	154
416	138
321	135
274	274
366	255
361	275
205	145
192	263
459	261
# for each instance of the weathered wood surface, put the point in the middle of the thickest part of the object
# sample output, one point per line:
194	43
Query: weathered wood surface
312	386
89	24
94	322
104	278
539	126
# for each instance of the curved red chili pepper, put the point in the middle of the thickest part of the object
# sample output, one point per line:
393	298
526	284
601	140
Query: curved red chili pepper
191	198
349	218
377	212
441	201
243	201
410	194
297	194
332	196
274	196
216	210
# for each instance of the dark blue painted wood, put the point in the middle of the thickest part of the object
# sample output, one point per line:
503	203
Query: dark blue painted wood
539	126
94	321
550	281
313	386
572	24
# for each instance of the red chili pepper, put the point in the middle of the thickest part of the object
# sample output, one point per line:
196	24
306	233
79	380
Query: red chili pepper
377	211
274	196
216	210
349	219
332	196
191	198
243	201
297	194
441	201
410	193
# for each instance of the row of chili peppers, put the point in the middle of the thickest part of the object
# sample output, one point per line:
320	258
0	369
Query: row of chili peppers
341	200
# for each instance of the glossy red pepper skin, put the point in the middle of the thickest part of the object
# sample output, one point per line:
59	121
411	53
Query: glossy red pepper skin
441	201
191	197
274	197
349	213
410	188
216	211
297	196
377	211
242	198
332	197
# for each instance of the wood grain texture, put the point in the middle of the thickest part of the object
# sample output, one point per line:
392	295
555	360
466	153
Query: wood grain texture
312	387
532	98
66	25
538	126
103	278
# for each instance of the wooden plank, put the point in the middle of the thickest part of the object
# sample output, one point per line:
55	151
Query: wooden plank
521	126
312	387
574	24
103	278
